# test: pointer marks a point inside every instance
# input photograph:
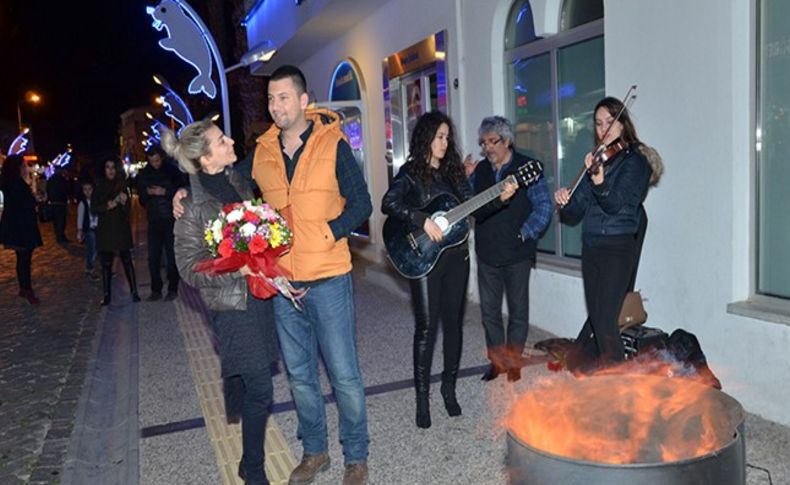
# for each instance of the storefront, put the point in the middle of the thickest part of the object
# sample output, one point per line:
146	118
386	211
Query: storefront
712	100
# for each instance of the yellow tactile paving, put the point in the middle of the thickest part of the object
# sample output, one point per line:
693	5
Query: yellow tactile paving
225	437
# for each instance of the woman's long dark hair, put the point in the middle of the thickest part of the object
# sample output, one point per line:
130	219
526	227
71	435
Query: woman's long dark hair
11	168
420	149
119	182
613	106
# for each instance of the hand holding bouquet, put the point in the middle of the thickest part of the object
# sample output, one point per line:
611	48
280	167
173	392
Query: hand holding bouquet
251	234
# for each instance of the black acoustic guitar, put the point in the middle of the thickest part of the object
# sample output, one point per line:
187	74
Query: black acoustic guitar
414	254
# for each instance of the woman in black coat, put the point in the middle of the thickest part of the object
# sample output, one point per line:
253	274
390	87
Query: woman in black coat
112	202
433	168
243	324
18	226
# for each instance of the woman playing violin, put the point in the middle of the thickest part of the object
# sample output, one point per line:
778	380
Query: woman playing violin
607	202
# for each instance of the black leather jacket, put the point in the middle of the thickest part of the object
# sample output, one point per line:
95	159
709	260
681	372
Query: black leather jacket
408	195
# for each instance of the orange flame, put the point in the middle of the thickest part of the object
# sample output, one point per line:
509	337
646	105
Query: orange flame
621	419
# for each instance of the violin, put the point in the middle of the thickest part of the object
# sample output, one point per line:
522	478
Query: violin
604	154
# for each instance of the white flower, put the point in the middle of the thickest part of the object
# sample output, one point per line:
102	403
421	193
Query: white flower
235	215
247	230
216	229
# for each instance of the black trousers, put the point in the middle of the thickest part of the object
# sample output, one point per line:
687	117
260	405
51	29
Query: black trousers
59	221
495	282
160	236
24	258
254	414
607	269
585	350
439	296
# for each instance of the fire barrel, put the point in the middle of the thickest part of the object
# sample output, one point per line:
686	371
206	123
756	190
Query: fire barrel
630	429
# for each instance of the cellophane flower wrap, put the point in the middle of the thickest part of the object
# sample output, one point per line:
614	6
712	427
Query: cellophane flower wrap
255	234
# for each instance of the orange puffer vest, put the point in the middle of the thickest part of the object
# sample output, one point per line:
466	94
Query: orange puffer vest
313	196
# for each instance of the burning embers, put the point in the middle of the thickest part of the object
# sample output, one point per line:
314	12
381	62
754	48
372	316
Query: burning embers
625	419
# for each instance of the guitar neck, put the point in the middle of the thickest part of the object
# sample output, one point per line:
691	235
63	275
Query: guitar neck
463	210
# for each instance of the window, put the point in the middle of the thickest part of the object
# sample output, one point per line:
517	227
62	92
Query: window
553	85
773	149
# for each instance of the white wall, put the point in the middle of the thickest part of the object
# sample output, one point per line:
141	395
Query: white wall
693	63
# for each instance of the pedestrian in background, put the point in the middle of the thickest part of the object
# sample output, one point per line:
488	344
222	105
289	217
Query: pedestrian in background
156	184
18	226
58	196
86	228
111	201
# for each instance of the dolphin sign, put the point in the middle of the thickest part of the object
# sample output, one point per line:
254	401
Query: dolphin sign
187	40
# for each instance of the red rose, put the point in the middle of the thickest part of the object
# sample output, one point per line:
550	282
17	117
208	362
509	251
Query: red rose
250	216
228	208
258	244
227	231
225	248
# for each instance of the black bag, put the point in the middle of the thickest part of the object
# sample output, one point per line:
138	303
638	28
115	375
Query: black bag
44	212
685	347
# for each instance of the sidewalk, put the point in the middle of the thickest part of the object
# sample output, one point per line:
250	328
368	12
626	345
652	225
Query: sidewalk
122	395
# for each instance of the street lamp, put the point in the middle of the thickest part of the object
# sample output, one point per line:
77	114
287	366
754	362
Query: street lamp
262	52
31	97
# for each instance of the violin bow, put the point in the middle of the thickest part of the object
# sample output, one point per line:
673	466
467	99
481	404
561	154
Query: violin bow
630	96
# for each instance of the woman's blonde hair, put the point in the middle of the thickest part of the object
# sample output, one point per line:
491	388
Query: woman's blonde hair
189	146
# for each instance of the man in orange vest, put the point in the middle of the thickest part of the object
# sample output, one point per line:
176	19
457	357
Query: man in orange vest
304	165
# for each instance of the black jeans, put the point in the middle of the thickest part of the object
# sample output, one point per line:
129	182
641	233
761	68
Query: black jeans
160	235
254	414
59	221
440	295
606	270
24	258
512	281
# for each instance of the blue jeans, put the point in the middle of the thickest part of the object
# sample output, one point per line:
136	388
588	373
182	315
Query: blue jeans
327	323
90	247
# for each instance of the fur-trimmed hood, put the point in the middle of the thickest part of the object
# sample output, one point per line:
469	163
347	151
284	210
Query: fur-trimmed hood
655	161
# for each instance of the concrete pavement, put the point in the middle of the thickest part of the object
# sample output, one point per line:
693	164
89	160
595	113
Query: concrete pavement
91	395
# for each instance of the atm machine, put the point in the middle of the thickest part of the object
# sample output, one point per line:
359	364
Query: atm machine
415	82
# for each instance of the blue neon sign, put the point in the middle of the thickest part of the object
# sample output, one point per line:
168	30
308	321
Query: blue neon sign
188	41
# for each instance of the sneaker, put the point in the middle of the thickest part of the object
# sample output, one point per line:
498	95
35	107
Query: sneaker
171	295
310	466
356	474
155	296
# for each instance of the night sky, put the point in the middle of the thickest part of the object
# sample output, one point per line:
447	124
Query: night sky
89	60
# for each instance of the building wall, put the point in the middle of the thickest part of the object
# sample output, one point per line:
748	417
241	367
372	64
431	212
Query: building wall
694	65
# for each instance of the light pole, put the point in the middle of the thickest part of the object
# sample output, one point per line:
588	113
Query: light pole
30	97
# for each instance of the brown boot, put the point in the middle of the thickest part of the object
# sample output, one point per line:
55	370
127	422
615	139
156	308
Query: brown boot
310	466
356	474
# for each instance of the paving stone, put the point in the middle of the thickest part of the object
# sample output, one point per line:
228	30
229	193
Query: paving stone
45	352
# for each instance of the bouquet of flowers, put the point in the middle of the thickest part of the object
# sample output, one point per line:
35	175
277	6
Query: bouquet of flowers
254	234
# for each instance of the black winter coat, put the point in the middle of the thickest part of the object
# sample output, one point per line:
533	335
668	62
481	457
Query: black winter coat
114	232
18	227
159	208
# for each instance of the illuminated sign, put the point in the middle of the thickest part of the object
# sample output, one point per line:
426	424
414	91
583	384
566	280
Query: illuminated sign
19	145
345	85
188	40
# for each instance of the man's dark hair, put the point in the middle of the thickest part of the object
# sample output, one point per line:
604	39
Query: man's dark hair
156	150
294	74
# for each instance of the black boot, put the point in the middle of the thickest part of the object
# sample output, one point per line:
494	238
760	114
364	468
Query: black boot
448	393
128	268
423	410
106	280
423	351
